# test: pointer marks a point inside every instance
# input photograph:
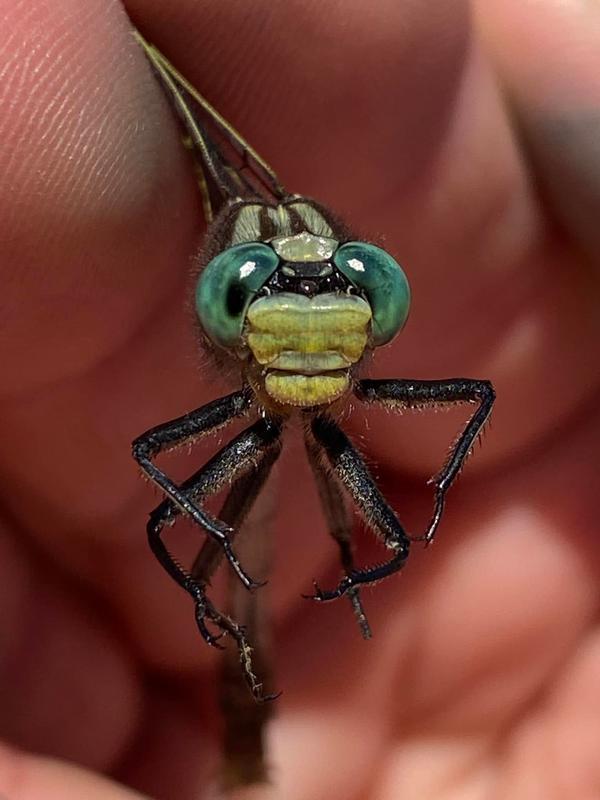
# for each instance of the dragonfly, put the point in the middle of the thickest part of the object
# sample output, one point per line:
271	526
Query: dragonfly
297	304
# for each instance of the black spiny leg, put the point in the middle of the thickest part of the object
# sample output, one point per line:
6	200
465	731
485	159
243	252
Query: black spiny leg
247	452
237	506
172	434
352	472
402	394
339	523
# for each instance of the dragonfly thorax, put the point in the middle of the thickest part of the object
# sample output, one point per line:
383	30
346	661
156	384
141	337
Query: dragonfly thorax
297	228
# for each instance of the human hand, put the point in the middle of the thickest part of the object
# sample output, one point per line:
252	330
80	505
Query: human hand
474	149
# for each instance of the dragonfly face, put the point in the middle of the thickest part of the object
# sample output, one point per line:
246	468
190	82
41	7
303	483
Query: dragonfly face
296	302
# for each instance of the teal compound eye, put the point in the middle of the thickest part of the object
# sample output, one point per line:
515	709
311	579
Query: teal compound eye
227	286
381	278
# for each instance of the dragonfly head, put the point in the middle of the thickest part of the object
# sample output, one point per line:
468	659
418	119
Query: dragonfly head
291	296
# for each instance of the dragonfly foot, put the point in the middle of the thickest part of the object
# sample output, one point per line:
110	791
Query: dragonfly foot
248	582
323	596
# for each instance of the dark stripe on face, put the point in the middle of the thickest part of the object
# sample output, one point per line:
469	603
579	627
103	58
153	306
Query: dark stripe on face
267	226
297	223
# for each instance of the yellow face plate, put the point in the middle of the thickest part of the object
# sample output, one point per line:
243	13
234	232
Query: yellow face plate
307	344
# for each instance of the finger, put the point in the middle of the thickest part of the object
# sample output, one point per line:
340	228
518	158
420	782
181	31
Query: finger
547	341
27	777
69	686
557	100
91	248
87	235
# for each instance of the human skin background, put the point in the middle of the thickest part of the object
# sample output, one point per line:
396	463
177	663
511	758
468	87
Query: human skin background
472	145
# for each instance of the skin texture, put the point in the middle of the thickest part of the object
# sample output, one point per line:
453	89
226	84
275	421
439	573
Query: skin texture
467	141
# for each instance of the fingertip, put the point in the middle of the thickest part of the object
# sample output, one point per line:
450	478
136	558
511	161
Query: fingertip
30	777
96	198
